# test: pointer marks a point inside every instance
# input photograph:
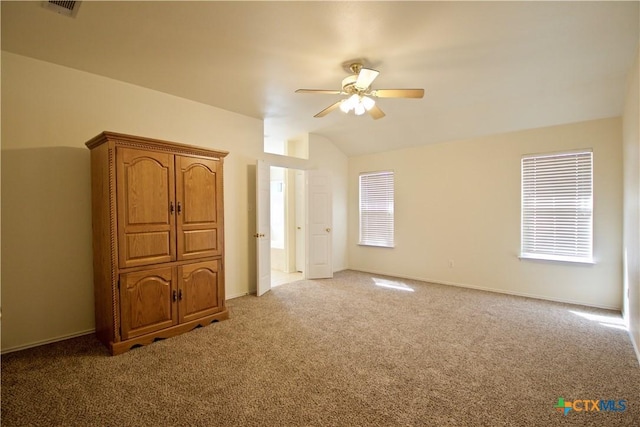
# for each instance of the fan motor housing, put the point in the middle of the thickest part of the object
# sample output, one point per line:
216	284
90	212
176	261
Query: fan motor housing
348	84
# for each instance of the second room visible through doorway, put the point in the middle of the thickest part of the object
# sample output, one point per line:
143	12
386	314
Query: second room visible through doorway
287	225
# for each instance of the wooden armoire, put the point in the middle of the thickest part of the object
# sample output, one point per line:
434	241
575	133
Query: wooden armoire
158	238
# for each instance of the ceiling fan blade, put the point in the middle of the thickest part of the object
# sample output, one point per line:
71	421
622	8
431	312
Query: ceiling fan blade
376	112
365	78
328	109
398	93
323	91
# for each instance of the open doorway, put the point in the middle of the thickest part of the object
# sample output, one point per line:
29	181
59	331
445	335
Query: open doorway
287	225
314	231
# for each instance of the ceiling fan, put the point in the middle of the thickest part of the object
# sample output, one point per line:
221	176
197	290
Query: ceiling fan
360	94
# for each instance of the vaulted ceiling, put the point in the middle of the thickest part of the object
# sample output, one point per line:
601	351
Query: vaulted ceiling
486	67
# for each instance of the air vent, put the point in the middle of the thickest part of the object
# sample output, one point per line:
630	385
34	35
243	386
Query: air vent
67	8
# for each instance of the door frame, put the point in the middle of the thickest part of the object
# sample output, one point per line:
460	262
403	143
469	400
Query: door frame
263	234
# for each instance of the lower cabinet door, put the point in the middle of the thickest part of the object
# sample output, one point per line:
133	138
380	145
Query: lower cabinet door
147	301
199	290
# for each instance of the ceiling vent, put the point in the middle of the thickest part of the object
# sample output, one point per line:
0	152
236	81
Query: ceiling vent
67	8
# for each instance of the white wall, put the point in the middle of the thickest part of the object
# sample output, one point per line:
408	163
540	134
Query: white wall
48	112
631	239
460	201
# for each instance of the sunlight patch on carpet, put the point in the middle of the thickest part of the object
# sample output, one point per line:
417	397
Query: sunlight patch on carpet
614	322
391	284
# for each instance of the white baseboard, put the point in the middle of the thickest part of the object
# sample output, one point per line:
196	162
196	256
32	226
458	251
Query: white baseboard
499	291
421	279
73	335
232	296
47	341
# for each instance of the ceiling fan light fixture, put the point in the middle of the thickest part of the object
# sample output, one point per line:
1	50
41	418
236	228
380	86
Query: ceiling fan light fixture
349	103
368	102
360	104
345	106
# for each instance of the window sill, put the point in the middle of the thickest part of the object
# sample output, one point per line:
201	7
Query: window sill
369	245
555	258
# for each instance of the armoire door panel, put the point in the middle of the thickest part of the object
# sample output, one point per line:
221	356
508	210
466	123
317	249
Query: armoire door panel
146	207
198	179
199	216
149	247
200	241
199	290
147	301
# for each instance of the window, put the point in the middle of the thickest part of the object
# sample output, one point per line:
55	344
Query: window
557	206
376	209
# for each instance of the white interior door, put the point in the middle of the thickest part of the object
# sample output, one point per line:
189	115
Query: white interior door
263	227
300	217
319	223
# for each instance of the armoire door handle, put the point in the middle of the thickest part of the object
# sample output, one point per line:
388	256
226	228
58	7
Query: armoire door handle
171	207
179	208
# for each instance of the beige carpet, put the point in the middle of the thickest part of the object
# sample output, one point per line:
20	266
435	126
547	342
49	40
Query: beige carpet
342	352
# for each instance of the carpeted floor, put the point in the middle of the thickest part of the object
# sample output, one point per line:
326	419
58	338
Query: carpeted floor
356	350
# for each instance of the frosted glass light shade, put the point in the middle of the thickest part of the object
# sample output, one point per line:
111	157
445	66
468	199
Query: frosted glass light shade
368	102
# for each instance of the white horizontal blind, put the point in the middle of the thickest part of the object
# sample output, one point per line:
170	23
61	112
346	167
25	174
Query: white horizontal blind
557	206
376	208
